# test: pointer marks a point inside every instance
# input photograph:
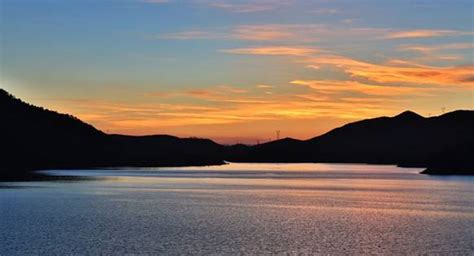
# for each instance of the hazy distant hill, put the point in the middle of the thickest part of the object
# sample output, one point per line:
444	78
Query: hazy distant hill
444	143
35	138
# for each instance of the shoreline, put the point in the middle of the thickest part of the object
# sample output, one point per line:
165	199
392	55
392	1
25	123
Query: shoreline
25	175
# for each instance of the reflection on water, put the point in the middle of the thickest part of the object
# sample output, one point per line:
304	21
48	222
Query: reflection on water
241	209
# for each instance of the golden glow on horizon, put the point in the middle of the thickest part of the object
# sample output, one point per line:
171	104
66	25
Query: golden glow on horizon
200	112
230	72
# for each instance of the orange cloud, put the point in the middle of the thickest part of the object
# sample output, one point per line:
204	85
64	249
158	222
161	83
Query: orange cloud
304	33
420	74
273	50
264	86
262	33
333	86
431	48
420	33
301	33
243	32
220	105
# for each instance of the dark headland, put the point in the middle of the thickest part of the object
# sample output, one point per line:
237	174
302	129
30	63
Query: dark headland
33	138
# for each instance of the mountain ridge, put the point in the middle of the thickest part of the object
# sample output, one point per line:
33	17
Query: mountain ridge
407	139
36	138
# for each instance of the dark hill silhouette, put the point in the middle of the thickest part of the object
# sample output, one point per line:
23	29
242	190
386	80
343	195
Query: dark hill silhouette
35	138
443	143
406	139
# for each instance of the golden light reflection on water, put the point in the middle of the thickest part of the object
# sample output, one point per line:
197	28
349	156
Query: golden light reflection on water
299	167
369	202
256	208
342	187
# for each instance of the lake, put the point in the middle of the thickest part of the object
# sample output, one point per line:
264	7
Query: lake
240	209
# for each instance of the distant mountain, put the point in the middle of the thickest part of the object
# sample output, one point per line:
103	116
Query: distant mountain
444	144
35	138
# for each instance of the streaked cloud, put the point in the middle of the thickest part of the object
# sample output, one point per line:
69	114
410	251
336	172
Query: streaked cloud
273	50
155	1
191	34
423	33
217	109
335	86
333	60
264	86
300	33
305	33
431	48
263	32
241	7
419	74
325	11
349	21
216	93
246	6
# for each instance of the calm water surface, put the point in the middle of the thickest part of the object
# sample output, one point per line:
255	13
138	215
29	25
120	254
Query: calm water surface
240	209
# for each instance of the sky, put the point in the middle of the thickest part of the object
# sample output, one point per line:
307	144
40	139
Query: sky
237	71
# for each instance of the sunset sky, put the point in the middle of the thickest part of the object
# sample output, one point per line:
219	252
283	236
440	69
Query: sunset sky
237	71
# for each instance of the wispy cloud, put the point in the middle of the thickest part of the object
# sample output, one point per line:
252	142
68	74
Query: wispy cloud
422	33
300	33
243	8
431	48
368	88
191	34
420	74
263	32
305	33
249	6
337	86
215	107
273	50
325	11
243	32
216	93
155	1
